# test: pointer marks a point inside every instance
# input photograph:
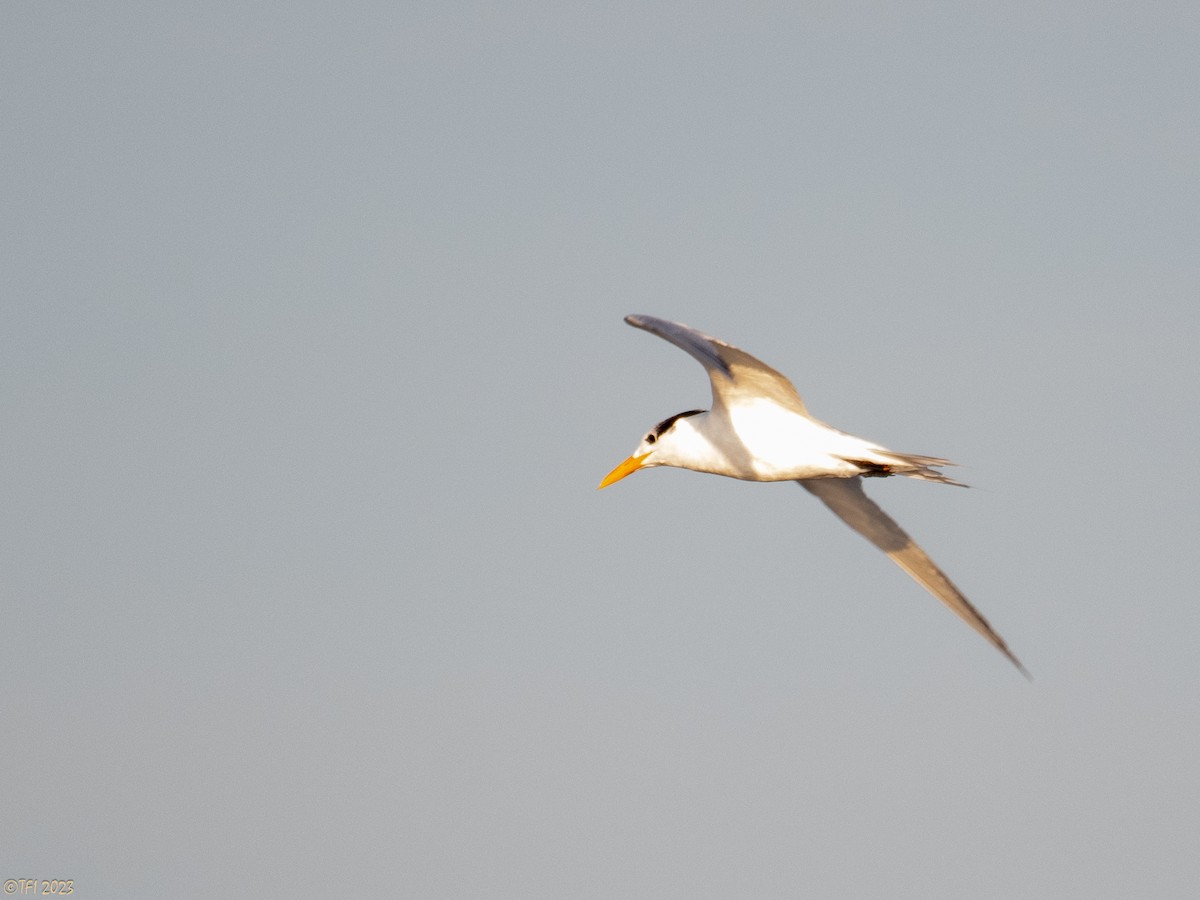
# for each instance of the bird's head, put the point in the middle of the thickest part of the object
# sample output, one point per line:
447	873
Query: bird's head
654	450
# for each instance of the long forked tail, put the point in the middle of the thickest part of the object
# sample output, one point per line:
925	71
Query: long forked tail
846	498
889	462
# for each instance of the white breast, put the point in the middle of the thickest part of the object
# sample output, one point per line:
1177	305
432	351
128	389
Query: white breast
762	441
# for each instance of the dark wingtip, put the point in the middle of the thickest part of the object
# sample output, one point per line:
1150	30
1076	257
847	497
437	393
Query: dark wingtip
1003	648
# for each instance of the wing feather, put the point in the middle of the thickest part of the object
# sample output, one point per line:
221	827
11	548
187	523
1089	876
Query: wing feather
736	376
845	496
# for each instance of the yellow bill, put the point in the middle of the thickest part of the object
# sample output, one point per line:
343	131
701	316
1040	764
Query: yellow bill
628	467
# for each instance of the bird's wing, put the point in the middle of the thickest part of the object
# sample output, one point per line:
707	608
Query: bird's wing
736	376
846	498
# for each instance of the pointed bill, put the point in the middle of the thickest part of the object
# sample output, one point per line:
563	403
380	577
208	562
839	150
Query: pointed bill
628	467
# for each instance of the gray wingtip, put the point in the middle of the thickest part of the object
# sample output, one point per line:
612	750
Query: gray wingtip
701	346
1016	662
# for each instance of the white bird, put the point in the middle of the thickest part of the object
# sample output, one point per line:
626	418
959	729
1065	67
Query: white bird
759	430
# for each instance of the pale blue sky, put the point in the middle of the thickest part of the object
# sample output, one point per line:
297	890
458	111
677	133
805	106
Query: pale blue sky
311	358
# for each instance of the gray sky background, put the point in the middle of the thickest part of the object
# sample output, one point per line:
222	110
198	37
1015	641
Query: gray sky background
312	357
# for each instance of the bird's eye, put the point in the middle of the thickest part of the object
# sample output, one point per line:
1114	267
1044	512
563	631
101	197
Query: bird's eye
651	438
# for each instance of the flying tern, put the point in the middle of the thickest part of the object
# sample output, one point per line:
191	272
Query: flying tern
760	430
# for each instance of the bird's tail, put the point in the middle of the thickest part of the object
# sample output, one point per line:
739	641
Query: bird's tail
923	468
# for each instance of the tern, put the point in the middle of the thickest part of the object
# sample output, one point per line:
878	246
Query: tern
760	430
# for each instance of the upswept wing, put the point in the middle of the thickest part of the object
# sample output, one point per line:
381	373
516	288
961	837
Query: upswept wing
736	376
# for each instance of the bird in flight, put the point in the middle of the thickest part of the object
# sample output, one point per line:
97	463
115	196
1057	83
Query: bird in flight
759	430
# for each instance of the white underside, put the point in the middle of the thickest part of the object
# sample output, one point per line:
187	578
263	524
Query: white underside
762	441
